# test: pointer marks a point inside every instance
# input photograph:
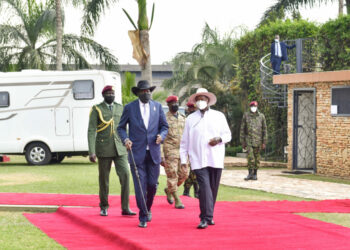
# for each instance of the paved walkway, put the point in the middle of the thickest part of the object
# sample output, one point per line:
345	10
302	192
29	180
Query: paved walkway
270	181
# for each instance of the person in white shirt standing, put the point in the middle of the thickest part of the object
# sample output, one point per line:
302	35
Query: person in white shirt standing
203	142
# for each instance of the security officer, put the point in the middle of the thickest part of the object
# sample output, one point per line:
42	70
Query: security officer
253	138
105	144
176	175
191	180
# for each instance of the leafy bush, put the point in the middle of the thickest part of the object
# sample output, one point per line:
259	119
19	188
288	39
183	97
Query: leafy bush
334	41
232	151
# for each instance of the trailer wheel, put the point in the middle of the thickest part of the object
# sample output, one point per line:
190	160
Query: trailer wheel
38	153
57	158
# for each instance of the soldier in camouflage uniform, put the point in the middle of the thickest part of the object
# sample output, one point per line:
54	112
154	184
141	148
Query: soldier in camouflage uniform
253	138
176	175
192	179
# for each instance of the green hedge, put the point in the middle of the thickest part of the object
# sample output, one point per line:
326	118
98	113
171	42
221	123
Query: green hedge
232	151
334	41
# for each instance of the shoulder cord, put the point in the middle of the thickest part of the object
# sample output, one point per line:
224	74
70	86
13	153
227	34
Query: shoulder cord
104	124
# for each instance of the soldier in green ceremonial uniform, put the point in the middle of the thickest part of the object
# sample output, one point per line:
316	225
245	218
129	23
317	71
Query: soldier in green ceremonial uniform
253	138
105	144
176	174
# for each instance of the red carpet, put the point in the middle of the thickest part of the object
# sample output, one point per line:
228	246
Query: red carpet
239	225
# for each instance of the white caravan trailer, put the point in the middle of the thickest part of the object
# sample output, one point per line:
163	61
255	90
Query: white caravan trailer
45	114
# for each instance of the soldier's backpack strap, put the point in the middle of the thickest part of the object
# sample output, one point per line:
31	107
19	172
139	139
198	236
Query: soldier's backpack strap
104	124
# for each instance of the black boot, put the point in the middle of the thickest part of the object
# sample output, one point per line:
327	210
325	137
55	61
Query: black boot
196	190
250	175
186	192
255	175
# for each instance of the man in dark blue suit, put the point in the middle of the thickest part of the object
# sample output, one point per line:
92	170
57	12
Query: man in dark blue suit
278	54
147	129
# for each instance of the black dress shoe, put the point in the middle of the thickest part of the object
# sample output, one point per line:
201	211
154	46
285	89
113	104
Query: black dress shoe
203	224
149	216
210	222
128	212
143	224
103	212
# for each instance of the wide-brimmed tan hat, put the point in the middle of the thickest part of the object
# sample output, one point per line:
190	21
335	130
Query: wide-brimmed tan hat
203	91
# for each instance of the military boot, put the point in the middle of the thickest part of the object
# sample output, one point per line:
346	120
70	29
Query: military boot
169	198
254	178
250	175
178	203
196	190
186	192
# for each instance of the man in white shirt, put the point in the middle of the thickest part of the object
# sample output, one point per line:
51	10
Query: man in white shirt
203	141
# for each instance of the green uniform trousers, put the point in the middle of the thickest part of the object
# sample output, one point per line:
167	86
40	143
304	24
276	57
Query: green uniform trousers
122	169
253	157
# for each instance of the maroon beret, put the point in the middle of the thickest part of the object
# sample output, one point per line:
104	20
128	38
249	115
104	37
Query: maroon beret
172	98
190	104
107	88
253	103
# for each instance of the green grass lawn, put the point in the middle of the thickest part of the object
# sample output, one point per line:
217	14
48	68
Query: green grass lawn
77	175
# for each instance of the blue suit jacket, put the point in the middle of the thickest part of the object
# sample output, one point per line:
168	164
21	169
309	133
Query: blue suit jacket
284	48
139	135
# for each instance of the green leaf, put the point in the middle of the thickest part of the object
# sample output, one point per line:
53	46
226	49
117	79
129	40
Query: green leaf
130	19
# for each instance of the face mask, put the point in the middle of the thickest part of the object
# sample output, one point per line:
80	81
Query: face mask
276	40
145	97
174	108
201	104
109	99
254	109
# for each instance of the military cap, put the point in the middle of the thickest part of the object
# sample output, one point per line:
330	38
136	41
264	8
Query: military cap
107	88
172	98
253	103
190	104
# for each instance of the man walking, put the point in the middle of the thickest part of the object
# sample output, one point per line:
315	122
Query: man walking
191	180
147	128
105	144
278	54
203	141
176	174
253	138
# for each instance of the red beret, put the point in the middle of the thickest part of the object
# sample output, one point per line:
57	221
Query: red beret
190	104
107	88
253	103
172	98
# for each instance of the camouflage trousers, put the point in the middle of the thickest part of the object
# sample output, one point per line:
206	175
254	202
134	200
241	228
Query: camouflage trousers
253	157
176	175
191	180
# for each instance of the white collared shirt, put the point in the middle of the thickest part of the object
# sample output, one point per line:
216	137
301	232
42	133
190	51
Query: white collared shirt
196	136
145	112
278	51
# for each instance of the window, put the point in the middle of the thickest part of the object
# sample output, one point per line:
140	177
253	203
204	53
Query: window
83	90
4	99
341	101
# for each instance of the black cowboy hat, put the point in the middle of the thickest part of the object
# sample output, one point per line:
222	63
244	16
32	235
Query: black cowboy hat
141	85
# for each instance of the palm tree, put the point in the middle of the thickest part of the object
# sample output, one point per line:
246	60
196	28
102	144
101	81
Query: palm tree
290	5
59	35
32	43
211	64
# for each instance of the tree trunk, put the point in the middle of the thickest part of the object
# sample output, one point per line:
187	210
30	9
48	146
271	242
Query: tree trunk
347	6
146	72
59	34
341	8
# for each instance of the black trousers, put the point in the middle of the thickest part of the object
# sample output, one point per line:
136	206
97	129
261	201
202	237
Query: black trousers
209	180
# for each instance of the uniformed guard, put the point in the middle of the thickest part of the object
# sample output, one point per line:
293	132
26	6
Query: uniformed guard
176	175
253	138
192	179
105	144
